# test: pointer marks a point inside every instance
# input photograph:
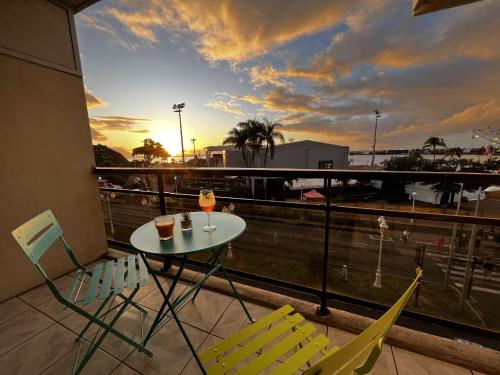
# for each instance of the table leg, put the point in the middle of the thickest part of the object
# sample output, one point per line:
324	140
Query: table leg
166	303
166	296
215	262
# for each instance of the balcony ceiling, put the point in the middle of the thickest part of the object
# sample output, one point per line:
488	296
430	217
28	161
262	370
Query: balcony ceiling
78	5
428	6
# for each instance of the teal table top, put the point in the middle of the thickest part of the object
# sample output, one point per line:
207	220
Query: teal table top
229	227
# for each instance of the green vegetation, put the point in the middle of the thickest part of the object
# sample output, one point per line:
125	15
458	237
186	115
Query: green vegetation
106	157
433	143
251	135
149	151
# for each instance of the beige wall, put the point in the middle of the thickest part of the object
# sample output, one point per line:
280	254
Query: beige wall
46	156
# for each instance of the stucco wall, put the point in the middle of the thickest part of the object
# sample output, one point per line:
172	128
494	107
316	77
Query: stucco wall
46	159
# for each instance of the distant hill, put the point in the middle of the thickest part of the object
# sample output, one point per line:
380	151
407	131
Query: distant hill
106	157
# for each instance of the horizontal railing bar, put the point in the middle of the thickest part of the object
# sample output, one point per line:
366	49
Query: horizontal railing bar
339	174
334	208
130	191
285	285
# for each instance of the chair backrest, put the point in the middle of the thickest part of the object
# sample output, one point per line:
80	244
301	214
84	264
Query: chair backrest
361	353
37	235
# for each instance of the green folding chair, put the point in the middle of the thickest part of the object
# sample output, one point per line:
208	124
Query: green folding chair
104	282
284	332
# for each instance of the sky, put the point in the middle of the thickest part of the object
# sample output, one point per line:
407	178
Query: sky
320	68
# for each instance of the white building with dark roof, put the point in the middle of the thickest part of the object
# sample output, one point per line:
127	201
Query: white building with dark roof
296	155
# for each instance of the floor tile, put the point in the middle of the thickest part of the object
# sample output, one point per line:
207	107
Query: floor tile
75	322
129	325
42	294
171	352
409	363
21	328
39	352
234	318
206	310
154	299
100	363
192	366
385	363
54	309
124	370
339	337
12	308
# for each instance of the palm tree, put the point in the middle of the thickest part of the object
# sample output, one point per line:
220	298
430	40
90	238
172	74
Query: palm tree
434	142
269	135
247	135
238	137
454	151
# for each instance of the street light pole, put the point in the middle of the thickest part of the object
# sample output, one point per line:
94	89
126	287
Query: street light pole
377	116
413	197
453	239
178	108
378	275
194	151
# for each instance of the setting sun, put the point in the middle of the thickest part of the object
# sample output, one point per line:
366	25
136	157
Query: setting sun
168	137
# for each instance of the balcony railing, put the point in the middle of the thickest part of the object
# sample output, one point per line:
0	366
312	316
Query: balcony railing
328	251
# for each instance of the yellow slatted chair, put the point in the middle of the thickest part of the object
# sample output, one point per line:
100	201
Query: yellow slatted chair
285	332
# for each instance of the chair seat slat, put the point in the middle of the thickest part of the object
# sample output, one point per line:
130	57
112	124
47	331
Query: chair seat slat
297	360
226	363
143	272
245	333
74	283
107	279
94	283
119	276
284	346
132	272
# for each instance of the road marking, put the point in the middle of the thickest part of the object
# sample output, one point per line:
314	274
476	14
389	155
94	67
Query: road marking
430	243
377	238
360	244
480	289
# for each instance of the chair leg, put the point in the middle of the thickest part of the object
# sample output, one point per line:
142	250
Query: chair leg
96	314
108	328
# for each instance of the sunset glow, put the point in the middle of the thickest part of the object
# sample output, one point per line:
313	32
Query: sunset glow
320	69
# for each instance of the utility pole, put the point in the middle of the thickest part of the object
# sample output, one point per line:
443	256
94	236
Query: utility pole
377	116
193	140
178	108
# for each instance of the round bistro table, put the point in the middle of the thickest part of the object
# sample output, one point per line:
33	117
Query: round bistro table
146	241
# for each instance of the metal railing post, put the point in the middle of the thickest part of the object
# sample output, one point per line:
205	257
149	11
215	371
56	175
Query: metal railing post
323	307
167	261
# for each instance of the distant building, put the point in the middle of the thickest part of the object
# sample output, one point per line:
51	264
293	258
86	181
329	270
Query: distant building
295	155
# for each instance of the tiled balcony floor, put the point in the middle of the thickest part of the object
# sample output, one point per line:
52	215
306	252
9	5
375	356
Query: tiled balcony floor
36	337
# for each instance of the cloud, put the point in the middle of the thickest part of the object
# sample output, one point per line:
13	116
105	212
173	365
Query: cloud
479	116
227	30
118	123
227	106
98	23
281	100
93	101
97	136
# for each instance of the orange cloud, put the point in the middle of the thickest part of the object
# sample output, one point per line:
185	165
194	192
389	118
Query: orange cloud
97	136
479	116
93	101
230	106
228	30
118	123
